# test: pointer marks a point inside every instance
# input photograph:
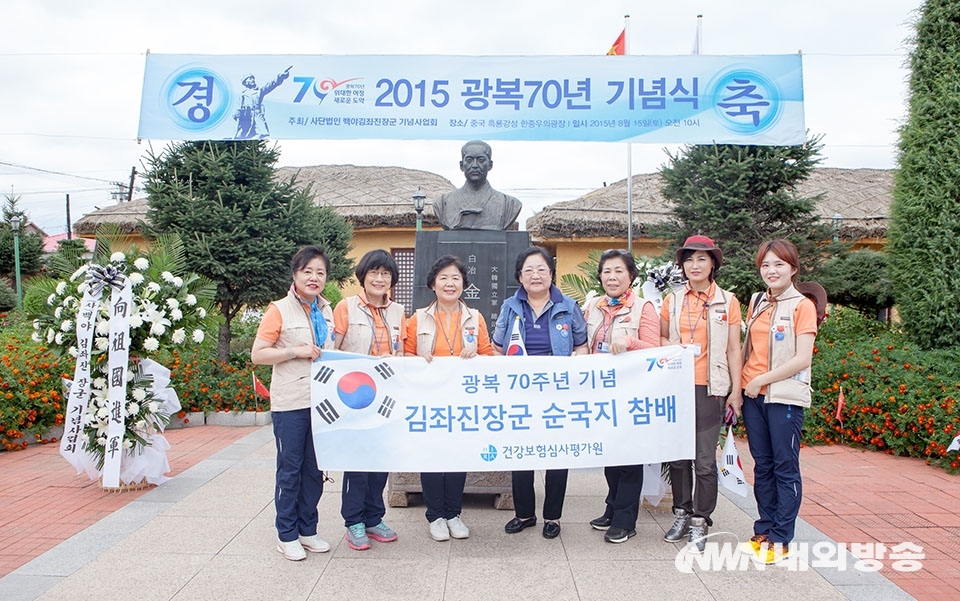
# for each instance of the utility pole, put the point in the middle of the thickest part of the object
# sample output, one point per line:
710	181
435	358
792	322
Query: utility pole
69	227
133	175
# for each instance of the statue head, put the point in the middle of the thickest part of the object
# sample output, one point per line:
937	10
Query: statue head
249	81
476	160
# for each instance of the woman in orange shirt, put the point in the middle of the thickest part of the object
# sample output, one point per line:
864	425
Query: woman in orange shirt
778	350
371	324
619	322
462	333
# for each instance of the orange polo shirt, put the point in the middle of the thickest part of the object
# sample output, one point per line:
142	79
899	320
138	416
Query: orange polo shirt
693	324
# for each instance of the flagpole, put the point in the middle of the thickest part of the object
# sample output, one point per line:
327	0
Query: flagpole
626	51
698	43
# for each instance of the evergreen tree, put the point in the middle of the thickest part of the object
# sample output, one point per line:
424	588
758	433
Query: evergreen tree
924	235
858	279
741	196
239	225
31	245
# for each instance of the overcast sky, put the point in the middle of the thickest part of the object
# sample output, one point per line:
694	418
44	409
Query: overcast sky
72	74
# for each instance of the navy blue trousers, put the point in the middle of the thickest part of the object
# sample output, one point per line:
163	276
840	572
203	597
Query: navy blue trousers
443	493
299	480
362	498
773	432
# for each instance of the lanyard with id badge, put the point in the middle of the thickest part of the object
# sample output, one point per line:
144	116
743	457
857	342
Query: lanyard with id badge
693	327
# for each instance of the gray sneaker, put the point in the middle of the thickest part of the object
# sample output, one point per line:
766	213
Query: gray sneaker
698	535
357	537
681	526
381	532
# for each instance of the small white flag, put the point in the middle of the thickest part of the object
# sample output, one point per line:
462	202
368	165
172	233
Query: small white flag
515	346
955	445
729	470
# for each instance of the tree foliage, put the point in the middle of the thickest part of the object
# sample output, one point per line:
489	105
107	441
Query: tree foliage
859	279
31	245
741	196
239	225
924	234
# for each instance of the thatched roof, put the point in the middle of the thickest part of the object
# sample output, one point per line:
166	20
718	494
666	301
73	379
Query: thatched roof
371	196
860	196
127	216
366	196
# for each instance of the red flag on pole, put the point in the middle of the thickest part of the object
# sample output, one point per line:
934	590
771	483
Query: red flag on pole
840	404
259	388
619	47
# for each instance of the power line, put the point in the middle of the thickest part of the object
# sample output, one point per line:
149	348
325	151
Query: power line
50	172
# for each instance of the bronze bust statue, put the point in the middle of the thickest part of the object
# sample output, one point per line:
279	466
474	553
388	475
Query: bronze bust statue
476	205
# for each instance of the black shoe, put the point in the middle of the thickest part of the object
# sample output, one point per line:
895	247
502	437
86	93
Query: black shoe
601	523
551	529
516	524
618	535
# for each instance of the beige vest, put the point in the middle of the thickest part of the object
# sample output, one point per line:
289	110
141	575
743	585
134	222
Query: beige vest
361	326
427	329
794	390
718	333
290	384
626	321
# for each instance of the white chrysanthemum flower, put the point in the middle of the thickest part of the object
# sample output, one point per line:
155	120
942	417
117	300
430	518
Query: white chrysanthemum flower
58	312
153	287
36	337
83	287
103	412
102	441
73	351
99	383
158	328
127	443
133	408
167	277
118	257
198	336
58	338
140	426
135	321
173	303
201	312
102	327
50	334
66	325
139	394
136	278
52	300
102	344
79	272
141	263
176	315
151	344
179	336
61	287
154	406
36	324
190	300
69	301
177	281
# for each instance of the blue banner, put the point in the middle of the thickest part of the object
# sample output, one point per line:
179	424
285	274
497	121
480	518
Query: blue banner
692	99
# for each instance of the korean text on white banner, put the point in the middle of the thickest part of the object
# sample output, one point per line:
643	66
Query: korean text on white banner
397	414
691	99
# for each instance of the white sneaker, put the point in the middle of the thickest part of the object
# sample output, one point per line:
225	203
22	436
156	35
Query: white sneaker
438	530
457	528
314	544
292	550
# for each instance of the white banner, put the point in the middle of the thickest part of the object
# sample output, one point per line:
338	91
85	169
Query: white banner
72	443
120	307
691	99
503	413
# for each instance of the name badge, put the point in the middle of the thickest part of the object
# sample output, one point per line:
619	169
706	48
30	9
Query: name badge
603	347
695	348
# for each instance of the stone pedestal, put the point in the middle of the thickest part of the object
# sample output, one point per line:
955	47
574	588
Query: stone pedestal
400	484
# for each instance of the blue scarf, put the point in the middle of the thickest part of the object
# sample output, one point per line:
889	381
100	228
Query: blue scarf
319	323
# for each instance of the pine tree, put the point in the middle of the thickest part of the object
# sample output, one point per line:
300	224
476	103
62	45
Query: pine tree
239	225
31	245
740	196
924	234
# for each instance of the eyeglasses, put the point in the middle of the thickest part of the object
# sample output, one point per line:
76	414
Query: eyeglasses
383	274
540	271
